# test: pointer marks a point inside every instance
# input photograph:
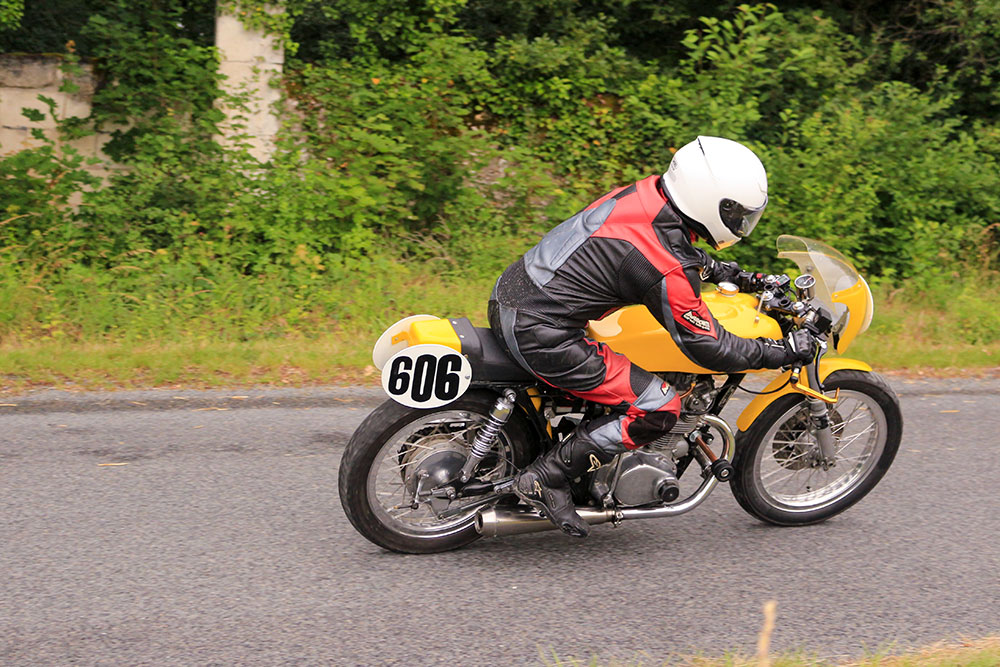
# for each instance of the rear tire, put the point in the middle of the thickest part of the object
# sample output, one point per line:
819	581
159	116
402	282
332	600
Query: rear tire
393	434
774	480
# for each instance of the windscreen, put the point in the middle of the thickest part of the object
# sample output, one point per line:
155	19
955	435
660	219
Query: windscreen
833	271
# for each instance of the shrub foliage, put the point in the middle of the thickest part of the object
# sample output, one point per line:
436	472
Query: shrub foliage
441	137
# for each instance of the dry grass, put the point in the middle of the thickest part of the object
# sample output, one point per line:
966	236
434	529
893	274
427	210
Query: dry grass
336	360
331	360
983	652
912	333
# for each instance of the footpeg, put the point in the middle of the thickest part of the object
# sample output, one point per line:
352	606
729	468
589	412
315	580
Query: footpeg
723	470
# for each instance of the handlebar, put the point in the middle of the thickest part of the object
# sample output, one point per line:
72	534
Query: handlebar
781	296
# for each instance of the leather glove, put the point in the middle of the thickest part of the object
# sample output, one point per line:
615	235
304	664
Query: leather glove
800	347
726	272
746	281
750	282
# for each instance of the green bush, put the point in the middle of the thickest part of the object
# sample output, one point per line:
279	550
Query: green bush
436	141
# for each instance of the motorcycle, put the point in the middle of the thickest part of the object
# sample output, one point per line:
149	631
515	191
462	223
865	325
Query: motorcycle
432	468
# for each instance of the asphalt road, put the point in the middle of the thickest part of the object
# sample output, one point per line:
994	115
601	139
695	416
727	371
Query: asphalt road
218	539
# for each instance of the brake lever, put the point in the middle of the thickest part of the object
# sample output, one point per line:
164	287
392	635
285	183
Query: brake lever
809	391
766	296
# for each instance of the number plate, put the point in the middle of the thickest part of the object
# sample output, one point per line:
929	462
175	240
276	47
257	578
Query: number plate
426	376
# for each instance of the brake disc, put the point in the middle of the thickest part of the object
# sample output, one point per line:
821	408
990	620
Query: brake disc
792	450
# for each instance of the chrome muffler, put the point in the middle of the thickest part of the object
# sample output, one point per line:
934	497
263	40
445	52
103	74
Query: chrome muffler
500	522
503	521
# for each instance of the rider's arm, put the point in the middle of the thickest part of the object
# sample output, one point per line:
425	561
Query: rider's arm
713	271
676	303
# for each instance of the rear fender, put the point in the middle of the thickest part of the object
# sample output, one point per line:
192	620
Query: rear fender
826	367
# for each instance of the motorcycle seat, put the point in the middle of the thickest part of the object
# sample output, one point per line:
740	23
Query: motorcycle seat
490	363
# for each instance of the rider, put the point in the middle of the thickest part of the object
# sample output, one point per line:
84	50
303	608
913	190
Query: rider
633	246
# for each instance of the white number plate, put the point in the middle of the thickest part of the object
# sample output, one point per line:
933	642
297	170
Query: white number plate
426	376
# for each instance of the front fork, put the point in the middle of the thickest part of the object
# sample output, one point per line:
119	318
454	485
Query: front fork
819	412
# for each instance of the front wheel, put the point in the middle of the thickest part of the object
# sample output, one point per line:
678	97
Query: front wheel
398	449
780	478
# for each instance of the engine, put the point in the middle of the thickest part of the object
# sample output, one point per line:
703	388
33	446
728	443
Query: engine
642	478
649	475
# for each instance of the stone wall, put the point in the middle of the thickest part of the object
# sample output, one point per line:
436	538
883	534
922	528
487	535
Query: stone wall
22	79
251	63
249	60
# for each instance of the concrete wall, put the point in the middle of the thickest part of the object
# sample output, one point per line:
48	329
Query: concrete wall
252	63
22	79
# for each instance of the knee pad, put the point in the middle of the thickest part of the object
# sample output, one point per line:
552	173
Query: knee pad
650	426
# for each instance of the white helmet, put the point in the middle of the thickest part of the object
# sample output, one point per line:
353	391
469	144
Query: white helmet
720	186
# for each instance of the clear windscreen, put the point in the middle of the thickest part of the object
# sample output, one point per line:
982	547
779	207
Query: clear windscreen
833	272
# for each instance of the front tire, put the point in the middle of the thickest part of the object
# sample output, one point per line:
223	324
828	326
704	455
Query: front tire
776	479
376	472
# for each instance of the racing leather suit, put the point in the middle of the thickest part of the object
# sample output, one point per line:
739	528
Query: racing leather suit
628	247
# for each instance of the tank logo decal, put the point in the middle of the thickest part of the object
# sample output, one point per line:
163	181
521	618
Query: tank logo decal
595	463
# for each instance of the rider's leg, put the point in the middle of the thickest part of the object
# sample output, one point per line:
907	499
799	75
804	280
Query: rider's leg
545	483
646	408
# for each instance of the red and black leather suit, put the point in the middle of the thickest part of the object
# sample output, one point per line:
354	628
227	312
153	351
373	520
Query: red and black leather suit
628	247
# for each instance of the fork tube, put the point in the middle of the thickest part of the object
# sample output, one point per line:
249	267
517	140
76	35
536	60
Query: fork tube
819	417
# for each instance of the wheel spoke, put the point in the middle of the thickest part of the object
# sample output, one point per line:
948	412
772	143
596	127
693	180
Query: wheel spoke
785	478
842	425
855	437
783	464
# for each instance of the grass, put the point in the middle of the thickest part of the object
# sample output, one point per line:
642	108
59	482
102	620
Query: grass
334	359
942	332
972	653
976	653
969	653
198	364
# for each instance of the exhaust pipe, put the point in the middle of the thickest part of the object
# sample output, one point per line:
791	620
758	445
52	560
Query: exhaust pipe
499	522
502	521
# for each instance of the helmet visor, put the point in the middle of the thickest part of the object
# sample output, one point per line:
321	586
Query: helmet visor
738	218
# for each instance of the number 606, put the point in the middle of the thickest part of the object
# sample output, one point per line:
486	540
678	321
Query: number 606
425	378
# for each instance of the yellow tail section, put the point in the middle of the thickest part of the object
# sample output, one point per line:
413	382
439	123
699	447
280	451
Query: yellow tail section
434	332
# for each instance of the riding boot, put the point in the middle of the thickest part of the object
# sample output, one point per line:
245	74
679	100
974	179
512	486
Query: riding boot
545	483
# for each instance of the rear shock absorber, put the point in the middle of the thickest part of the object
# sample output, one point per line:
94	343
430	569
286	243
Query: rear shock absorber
488	433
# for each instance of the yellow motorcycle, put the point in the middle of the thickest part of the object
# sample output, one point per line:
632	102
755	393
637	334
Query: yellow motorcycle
432	468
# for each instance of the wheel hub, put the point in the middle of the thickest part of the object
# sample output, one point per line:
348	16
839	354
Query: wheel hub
431	469
792	450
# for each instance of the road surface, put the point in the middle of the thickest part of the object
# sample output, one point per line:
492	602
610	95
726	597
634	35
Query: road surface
205	528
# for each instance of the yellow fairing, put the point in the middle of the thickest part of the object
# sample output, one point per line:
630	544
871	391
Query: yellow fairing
436	332
634	332
826	366
857	298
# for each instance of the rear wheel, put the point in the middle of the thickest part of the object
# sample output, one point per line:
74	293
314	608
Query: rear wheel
779	476
396	447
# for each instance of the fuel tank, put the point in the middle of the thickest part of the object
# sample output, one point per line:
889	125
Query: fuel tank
634	332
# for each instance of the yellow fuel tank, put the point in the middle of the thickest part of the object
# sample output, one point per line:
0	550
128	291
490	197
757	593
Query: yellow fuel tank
634	332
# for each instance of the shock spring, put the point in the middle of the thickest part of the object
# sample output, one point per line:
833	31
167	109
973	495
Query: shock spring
488	433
